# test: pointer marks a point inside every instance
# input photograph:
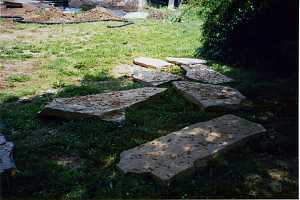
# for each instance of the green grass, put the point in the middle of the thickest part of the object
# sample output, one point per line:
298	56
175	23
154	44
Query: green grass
18	78
77	59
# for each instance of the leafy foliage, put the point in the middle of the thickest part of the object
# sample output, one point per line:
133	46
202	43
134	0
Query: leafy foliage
251	33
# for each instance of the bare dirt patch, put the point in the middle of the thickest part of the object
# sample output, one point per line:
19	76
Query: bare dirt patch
9	67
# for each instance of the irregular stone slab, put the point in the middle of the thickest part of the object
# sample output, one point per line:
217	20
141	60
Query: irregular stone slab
151	63
186	61
126	70
154	78
205	74
106	106
118	117
6	159
177	153
208	95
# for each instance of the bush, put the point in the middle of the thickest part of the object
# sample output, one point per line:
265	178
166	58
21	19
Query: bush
262	33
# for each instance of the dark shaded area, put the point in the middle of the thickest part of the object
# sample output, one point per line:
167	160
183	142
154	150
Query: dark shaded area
257	34
244	172
159	3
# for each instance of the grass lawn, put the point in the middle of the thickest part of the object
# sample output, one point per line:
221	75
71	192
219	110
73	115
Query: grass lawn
59	159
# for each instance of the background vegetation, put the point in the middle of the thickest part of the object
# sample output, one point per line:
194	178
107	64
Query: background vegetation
261	34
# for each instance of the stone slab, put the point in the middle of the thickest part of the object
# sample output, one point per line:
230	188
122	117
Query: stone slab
208	95
126	70
205	74
154	78
107	106
176	153
186	61
117	117
151	63
6	159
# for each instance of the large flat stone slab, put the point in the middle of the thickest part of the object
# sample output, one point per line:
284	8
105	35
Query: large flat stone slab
176	153
107	106
186	61
126	70
205	74
208	95
154	78
151	63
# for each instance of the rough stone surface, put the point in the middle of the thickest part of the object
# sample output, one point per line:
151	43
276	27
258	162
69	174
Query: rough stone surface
208	95
106	106
6	159
205	74
151	62
169	156
154	78
185	61
126	70
118	117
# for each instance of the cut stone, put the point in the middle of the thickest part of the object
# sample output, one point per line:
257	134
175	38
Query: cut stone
208	95
107	106
205	74
6	159
179	152
154	78
126	70
186	61
151	63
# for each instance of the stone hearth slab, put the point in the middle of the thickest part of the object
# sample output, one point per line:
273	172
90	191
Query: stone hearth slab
177	153
205	74
107	106
151	63
126	70
186	61
154	78
208	95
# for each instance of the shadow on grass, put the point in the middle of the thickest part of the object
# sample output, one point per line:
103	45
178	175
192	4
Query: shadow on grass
265	167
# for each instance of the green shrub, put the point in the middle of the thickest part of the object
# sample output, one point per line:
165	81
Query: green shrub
260	33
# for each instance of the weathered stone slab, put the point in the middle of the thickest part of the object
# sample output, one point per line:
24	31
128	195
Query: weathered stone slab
176	153
186	61
208	95
205	74
154	78
126	70
6	159
151	63
117	117
106	106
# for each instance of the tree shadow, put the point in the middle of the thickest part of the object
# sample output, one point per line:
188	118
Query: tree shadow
97	145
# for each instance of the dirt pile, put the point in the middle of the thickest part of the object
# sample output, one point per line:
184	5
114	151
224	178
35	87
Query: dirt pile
55	15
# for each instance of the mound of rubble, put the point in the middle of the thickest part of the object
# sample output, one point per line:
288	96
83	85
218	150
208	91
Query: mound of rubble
52	14
55	15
